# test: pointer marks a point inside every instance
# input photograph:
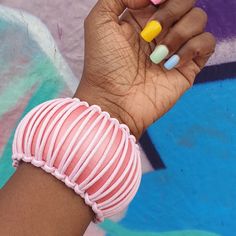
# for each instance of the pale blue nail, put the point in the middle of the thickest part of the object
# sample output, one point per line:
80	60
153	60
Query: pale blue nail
172	62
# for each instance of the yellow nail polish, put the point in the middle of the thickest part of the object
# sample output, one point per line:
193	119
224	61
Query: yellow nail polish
151	30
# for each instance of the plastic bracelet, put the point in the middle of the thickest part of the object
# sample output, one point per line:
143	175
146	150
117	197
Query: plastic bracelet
86	149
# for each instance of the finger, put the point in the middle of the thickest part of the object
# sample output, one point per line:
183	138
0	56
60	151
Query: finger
110	10
167	14
197	50
181	32
200	47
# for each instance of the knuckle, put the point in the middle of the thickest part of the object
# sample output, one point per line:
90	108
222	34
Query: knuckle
210	39
170	13
186	4
177	9
197	51
195	48
200	14
178	36
174	39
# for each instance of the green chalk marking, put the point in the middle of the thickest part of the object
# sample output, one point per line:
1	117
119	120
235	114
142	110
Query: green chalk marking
115	229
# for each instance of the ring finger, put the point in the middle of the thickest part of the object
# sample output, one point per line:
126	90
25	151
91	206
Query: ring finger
194	55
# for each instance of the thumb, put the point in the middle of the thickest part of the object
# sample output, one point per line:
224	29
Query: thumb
112	9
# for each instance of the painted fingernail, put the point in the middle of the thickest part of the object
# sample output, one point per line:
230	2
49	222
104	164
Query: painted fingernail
172	62
151	30
159	54
156	1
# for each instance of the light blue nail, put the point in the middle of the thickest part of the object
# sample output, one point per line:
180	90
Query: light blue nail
172	62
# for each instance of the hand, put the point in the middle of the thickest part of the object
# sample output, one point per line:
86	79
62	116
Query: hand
118	73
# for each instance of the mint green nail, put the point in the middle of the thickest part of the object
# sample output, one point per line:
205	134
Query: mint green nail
159	54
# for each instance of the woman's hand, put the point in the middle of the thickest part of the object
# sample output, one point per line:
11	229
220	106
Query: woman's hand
118	73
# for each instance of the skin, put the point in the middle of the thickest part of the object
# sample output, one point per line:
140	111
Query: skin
35	203
118	72
119	77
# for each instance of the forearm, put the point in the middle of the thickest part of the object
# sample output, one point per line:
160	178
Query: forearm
35	203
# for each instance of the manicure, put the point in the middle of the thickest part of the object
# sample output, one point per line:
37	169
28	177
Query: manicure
155	1
151	30
159	54
172	62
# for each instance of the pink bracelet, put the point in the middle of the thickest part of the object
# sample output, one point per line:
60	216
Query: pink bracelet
86	149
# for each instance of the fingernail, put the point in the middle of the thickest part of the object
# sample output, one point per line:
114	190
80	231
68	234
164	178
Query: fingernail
172	62
159	54
155	1
151	30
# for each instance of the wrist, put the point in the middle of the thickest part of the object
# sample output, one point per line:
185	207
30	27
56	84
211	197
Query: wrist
85	149
109	103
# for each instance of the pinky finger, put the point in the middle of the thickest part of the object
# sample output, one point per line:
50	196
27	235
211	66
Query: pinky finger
198	49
